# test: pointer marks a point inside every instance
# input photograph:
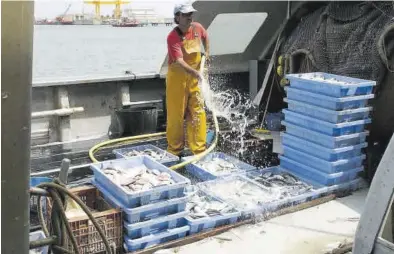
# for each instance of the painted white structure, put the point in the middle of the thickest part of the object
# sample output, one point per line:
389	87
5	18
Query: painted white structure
142	15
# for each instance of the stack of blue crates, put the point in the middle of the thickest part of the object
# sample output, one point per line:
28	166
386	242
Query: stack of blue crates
325	126
208	223
150	217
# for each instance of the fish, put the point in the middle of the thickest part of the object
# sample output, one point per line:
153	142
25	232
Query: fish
285	183
155	155
138	179
321	78
201	205
217	165
241	193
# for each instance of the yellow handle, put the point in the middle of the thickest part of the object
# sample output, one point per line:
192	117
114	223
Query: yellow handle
261	130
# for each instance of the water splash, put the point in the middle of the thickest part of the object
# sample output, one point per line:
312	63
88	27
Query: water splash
229	105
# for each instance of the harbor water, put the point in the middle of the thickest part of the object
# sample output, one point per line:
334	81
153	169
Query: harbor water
67	52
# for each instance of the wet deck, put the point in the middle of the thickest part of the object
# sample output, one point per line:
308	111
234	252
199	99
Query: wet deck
311	231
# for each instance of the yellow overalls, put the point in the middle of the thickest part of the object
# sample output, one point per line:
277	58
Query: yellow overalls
184	103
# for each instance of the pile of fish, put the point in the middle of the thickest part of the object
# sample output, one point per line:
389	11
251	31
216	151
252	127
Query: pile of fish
241	193
217	166
138	179
201	205
320	77
155	155
286	184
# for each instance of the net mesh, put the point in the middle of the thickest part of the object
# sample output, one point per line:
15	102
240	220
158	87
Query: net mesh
341	38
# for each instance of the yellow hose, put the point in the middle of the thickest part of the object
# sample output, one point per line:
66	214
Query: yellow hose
174	167
112	141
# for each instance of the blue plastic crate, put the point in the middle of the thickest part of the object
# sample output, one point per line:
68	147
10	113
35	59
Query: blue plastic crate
167	159
321	152
209	223
325	140
323	165
245	211
276	169
328	115
146	212
317	191
160	224
325	127
34	181
139	198
290	200
316	175
154	239
38	235
327	102
204	174
330	84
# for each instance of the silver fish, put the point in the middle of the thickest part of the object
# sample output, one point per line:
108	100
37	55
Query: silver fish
285	183
139	179
217	165
241	193
201	205
149	152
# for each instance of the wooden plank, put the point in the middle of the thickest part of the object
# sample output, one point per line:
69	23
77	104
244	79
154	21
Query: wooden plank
216	231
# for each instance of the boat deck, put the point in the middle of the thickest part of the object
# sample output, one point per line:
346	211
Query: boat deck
318	229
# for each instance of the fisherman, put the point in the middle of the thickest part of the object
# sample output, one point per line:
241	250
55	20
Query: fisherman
182	84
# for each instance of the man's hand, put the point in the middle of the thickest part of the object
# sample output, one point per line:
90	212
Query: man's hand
199	76
207	59
189	69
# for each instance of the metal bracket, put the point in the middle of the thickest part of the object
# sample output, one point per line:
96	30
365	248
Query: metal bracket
63	113
64	125
123	95
124	98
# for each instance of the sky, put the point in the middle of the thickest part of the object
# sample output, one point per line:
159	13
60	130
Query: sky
52	8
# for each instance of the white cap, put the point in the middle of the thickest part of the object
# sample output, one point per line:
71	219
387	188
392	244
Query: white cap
184	8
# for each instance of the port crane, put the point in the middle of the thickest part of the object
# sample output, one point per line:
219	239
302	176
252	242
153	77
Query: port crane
61	17
98	3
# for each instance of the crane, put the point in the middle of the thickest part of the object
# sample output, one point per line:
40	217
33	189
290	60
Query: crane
98	3
60	17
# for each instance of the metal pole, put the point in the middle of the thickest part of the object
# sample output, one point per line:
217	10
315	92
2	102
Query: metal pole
17	19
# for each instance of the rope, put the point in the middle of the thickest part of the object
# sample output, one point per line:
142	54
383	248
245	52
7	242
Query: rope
59	222
382	47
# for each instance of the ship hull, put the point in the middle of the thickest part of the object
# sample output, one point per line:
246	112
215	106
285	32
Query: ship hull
125	25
